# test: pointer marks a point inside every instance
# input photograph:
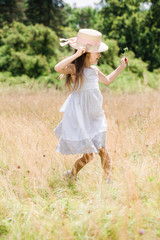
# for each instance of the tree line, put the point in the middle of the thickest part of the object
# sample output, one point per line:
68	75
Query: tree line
127	21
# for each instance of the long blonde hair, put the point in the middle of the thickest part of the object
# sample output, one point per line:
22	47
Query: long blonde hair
79	65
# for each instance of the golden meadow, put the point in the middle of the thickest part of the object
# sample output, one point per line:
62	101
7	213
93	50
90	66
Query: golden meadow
37	203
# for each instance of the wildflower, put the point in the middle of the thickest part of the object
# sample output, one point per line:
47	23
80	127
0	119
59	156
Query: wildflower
141	231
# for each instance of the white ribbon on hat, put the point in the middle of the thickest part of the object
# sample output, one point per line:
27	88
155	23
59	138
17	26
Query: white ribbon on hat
67	41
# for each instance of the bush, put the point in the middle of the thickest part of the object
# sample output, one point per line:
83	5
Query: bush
110	57
42	40
106	69
33	66
152	79
27	49
50	80
5	53
34	40
127	82
4	76
7	79
138	66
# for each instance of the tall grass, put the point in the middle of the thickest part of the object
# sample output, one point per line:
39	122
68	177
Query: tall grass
37	203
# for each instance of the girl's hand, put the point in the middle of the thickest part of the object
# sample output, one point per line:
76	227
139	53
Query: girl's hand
81	50
124	61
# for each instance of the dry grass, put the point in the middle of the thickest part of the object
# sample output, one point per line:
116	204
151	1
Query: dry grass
35	201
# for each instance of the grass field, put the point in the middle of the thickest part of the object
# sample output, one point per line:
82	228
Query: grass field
36	203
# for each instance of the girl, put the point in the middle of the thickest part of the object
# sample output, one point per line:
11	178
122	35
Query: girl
83	128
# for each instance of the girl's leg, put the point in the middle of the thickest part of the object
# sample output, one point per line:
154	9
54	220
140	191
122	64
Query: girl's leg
81	162
106	161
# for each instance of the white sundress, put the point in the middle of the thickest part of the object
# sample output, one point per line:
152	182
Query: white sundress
83	128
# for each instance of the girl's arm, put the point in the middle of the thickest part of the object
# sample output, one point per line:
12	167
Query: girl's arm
65	66
111	77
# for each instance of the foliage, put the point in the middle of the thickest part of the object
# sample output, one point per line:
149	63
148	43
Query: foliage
110	57
28	54
11	10
33	66
138	66
50	13
82	18
132	27
31	39
149	47
27	50
134	24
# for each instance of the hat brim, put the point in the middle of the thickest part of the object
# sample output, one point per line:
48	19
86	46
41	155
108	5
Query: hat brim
100	48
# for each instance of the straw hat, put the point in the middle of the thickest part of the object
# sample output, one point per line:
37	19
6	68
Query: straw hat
89	38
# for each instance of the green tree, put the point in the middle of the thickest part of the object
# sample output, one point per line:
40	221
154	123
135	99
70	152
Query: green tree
150	36
51	13
117	19
11	10
81	18
133	27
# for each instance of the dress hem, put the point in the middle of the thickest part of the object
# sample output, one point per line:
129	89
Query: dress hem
67	147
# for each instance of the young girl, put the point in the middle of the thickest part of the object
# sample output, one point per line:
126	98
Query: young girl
83	129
